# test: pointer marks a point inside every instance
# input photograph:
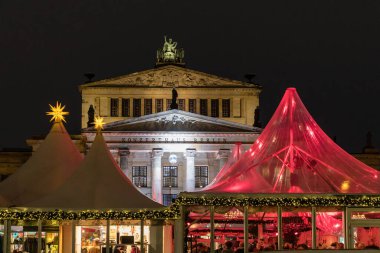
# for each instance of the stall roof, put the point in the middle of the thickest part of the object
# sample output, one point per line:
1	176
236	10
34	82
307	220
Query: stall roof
98	183
53	162
294	155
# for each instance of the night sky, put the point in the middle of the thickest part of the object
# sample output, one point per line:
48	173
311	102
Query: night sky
328	50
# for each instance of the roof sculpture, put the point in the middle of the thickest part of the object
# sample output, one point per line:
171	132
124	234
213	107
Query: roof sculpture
98	183
294	155
54	161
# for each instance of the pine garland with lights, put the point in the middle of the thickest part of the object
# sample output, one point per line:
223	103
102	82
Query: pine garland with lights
88	215
173	211
284	201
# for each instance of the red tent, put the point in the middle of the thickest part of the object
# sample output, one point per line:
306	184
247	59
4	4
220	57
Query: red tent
294	155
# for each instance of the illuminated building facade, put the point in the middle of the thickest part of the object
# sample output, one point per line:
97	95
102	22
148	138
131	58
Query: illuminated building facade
171	128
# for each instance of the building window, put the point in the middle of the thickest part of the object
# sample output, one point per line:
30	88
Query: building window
125	107
167	199
201	176
170	176
147	106
114	107
215	108
181	104
226	109
193	105
203	103
159	105
168	103
139	176
136	107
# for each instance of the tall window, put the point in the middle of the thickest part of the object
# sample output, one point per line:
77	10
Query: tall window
136	107
193	105
139	176
226	108
168	103
215	108
181	104
114	107
167	199
203	103
201	176
147	106
170	176
125	107
159	105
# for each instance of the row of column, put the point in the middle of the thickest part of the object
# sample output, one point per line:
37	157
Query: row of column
157	153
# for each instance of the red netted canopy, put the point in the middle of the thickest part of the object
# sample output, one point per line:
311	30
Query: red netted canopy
294	155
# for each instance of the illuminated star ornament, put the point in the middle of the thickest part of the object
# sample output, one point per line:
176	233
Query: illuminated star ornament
57	113
99	123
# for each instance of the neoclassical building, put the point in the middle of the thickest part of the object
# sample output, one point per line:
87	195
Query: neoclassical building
171	128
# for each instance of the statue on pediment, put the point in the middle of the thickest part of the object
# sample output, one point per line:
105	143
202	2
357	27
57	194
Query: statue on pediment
169	48
170	53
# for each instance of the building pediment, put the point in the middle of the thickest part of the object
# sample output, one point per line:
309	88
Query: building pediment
175	120
169	76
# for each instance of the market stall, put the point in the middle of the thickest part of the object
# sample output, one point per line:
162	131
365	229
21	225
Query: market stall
294	187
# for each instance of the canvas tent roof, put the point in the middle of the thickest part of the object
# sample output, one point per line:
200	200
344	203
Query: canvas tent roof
98	183
294	155
53	162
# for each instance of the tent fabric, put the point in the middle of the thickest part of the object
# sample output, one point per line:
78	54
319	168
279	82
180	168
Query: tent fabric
50	165
294	155
98	183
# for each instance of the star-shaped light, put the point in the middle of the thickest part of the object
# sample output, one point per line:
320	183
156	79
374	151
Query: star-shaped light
57	113
99	122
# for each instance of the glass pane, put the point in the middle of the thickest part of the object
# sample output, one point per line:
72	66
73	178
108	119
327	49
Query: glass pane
296	228
330	229
366	237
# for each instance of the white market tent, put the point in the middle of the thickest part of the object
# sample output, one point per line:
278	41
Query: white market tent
47	169
98	183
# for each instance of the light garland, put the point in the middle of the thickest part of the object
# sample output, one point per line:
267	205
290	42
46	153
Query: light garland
173	211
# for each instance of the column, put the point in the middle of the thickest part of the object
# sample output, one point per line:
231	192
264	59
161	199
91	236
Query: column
179	232
279	228
39	236
157	174
156	236
189	184
246	225
124	153
212	230
313	227
223	157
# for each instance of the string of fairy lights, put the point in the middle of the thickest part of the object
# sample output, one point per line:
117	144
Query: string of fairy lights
174	210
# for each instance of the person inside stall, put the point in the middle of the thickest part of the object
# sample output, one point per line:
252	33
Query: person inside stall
135	249
95	248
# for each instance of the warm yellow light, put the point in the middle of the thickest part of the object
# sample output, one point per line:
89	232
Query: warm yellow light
345	186
99	123
57	113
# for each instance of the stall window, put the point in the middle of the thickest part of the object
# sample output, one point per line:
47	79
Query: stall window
215	108
136	107
147	106
226	108
170	176
193	105
201	176
139	176
167	199
203	103
125	107
159	105
114	107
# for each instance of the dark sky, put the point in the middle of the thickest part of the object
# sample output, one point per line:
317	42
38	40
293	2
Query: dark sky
328	50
